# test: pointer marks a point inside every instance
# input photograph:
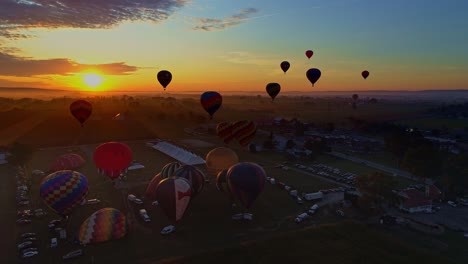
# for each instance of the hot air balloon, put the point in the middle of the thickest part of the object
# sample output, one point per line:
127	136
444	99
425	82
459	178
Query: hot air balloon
169	169
221	181
173	195
285	66
164	78
219	159
81	110
309	53
273	90
246	181
150	193
365	74
63	190
112	158
224	130
103	225
195	177
211	102
244	131
67	161
313	75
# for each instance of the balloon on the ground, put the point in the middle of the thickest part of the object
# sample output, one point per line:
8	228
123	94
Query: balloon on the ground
285	66
81	110
211	102
244	131
365	74
224	130
164	78
246	181
273	90
150	193
313	75
67	161
309	53
221	181
195	177
169	169
103	225
64	190
355	97
219	159
173	195
112	158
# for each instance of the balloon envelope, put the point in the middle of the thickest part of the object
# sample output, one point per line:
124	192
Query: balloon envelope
246	181
313	75
273	90
164	78
112	158
169	169
150	193
195	177
81	110
221	181
285	66
355	97
365	74
224	130
309	53
103	225
63	190
211	102
219	159
173	195
67	161
244	131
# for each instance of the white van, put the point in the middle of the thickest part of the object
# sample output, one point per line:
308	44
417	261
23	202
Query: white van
53	242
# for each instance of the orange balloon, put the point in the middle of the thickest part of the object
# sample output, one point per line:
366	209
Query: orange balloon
219	159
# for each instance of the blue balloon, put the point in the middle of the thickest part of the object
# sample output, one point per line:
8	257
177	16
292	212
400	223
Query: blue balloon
313	75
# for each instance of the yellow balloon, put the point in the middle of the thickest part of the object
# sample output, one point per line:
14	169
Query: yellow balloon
219	159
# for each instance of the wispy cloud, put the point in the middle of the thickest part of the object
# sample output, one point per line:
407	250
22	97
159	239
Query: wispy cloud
212	24
11	65
243	57
19	15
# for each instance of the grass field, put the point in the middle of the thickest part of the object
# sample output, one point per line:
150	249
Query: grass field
436	123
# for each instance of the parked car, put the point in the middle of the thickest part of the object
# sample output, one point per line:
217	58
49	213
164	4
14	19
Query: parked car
73	254
24	244
25	235
451	203
93	201
144	215
30	254
30	239
23	221
29	249
54	223
23	202
167	230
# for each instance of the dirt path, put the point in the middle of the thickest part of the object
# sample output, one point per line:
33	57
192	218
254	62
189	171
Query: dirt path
11	133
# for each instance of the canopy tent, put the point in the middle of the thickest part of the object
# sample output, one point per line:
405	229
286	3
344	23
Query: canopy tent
183	156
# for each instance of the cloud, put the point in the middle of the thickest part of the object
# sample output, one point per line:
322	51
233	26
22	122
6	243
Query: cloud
11	83
11	65
243	57
19	15
212	24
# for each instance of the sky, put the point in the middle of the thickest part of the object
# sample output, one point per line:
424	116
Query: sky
227	45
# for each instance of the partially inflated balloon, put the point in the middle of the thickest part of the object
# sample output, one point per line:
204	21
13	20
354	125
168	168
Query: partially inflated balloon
103	225
194	176
285	66
211	102
365	74
81	110
63	190
313	75
164	78
150	193
309	53
246	181
221	181
173	195
169	169
273	90
112	158
219	159
67	161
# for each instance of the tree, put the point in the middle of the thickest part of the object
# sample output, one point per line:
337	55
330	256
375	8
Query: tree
455	174
21	154
377	187
424	161
290	144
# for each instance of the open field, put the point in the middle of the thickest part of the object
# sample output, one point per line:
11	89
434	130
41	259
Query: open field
436	123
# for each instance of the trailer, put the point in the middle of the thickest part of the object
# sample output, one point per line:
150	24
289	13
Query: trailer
313	196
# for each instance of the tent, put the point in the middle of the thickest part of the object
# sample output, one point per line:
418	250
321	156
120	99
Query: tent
183	156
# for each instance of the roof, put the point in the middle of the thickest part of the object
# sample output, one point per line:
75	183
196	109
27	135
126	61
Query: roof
414	198
432	192
180	154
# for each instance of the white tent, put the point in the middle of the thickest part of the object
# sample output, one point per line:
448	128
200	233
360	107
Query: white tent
181	155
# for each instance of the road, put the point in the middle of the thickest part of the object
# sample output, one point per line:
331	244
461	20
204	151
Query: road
320	177
374	165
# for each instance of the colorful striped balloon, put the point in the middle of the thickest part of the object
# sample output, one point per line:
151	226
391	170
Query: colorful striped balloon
173	195
246	180
169	169
211	102
244	131
64	190
103	225
224	130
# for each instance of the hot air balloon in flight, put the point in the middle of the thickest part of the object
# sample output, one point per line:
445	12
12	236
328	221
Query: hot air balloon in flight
365	74
64	190
150	193
313	75
244	131
67	161
211	102
81	110
224	130
164	78
273	90
195	177
112	158
285	66
169	169
246	180
103	225
173	195
309	53
219	159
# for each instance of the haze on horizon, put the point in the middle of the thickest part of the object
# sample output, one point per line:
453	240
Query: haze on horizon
233	45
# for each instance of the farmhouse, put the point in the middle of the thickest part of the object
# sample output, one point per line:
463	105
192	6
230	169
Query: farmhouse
413	200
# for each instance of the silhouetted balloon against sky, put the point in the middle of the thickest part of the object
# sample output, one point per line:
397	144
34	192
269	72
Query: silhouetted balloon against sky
273	90
285	66
211	102
164	78
309	53
365	74
313	75
355	97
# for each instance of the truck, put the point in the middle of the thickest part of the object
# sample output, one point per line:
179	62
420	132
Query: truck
301	217
313	196
144	215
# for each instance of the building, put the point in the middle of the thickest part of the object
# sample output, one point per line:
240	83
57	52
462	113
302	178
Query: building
414	201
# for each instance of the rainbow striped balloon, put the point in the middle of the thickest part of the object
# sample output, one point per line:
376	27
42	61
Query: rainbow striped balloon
103	225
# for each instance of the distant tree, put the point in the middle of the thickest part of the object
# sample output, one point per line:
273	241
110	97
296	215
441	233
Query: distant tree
300	129
330	127
377	187
424	161
455	174
21	154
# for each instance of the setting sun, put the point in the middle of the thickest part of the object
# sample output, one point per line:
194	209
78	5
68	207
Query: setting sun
92	80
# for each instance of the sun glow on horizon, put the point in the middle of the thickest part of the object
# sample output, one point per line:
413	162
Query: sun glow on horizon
92	80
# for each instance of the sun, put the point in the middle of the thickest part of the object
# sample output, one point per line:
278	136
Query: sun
92	80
